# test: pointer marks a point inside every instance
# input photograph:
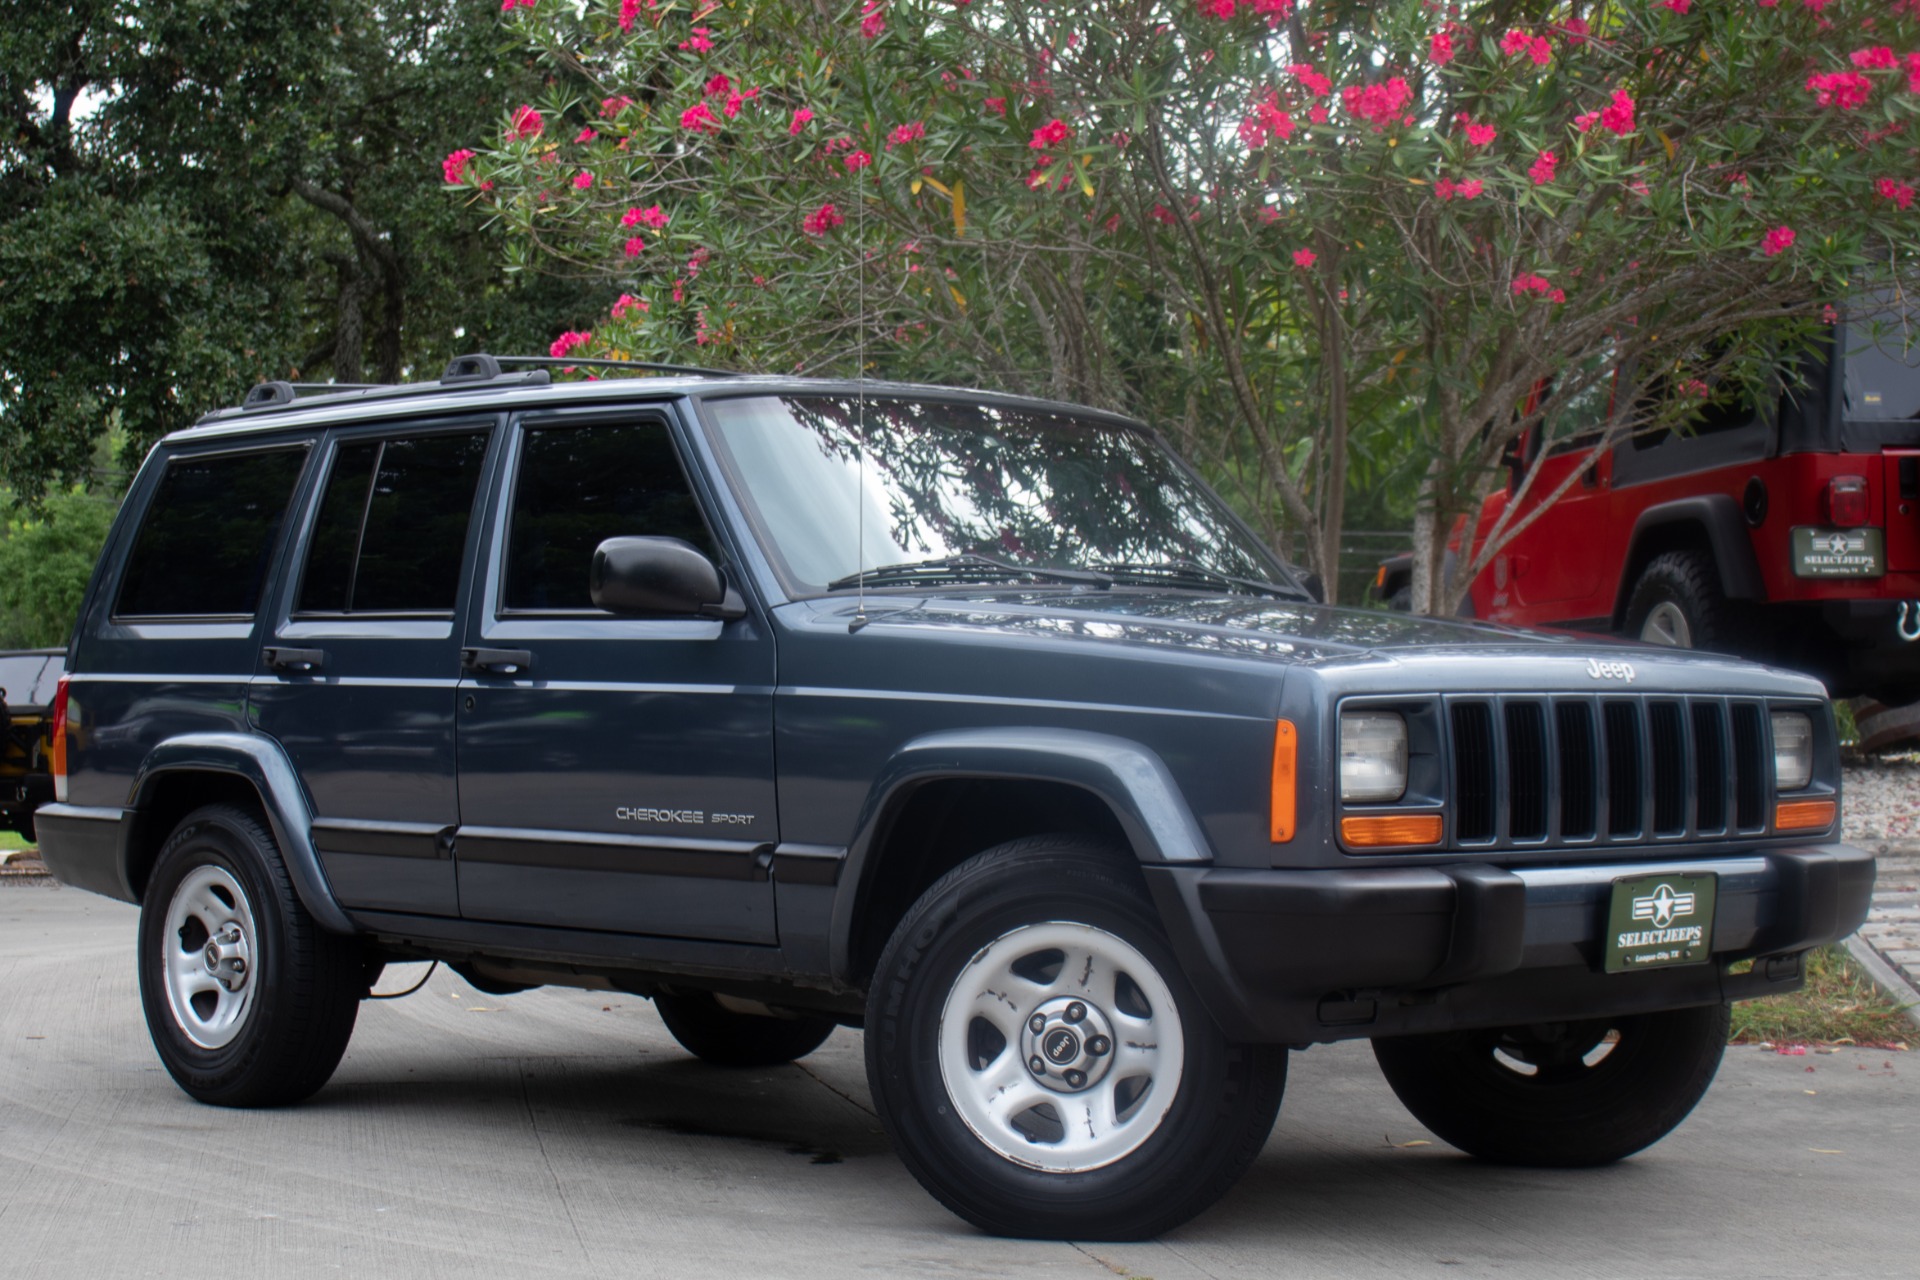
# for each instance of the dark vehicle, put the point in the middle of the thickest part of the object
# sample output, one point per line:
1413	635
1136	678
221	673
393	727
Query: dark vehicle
1785	532
974	721
28	681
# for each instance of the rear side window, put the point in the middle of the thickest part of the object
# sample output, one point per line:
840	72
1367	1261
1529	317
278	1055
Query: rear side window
208	536
579	486
392	525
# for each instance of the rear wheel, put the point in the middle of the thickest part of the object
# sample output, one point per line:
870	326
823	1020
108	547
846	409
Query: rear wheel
1564	1094
249	1002
1042	1065
1678	602
714	1033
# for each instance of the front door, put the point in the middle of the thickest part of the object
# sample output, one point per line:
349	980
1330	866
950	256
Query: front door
616	773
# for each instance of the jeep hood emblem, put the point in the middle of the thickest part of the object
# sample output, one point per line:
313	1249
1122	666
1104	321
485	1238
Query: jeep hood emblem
1610	670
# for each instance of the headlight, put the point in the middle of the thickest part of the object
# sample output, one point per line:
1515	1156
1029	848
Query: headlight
1373	756
1792	750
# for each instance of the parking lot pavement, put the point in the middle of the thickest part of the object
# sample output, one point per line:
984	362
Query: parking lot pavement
563	1133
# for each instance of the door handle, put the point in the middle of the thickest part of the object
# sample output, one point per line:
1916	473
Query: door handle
295	661
499	662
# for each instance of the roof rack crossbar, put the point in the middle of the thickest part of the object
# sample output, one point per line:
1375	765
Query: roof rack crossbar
269	395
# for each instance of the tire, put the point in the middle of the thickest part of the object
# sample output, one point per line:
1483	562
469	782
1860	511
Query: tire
1050	945
713	1033
1678	603
266	1031
1528	1095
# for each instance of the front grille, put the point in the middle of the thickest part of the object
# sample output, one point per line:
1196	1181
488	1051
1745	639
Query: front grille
1604	770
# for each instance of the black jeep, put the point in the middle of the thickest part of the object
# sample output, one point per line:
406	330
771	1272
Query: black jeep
974	721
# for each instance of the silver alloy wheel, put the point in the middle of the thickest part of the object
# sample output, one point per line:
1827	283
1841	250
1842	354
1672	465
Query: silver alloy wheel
1666	624
209	956
1061	1047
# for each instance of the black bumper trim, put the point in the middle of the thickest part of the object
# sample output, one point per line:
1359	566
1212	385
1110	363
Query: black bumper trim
82	847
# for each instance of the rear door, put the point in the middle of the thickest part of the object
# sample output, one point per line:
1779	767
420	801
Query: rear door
616	773
357	678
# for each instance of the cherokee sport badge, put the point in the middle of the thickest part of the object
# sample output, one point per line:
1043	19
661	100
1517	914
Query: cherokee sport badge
1656	921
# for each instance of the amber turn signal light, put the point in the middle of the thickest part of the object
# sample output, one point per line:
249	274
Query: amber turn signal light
1803	815
1285	751
1390	830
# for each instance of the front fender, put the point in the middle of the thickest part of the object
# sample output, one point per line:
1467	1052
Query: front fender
1129	779
261	762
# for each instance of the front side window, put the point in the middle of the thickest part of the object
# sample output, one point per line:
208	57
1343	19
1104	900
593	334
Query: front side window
392	525
577	487
1016	486
208	535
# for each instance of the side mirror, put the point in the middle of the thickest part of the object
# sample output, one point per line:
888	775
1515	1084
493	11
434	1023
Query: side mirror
660	576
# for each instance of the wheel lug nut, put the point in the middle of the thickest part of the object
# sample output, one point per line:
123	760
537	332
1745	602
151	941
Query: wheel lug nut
1038	1064
1037	1023
1099	1046
1076	1012
1076	1078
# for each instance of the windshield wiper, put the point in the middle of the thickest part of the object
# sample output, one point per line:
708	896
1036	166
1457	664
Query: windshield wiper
969	567
1185	573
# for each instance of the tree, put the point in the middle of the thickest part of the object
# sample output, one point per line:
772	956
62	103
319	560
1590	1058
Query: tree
194	197
1267	226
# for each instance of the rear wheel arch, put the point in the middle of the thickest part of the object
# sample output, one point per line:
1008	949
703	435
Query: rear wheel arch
1711	524
163	802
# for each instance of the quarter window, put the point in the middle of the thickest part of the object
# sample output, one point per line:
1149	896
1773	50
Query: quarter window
208	535
580	485
393	524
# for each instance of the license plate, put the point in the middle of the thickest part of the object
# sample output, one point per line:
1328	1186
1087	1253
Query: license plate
1657	921
1839	553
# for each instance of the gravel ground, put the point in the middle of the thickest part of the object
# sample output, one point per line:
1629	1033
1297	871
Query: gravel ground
1882	802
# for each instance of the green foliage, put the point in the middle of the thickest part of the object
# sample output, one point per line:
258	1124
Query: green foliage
1162	207
45	563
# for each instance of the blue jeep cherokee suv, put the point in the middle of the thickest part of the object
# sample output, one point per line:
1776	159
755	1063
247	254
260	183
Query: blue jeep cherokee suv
974	721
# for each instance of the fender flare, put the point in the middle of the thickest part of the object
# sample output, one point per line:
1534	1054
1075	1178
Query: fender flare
261	762
1133	782
1719	516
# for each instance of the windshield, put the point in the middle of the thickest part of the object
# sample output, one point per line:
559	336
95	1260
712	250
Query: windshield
1008	487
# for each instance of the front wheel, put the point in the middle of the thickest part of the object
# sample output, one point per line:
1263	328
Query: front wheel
1561	1094
1042	1065
249	1002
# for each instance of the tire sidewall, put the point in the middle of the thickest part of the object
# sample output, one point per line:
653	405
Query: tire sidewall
210	840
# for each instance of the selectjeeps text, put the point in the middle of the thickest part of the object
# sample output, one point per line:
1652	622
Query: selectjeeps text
976	722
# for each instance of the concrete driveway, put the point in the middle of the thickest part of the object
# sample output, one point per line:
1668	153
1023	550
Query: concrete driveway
563	1133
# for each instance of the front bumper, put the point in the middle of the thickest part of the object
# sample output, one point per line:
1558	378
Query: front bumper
1301	956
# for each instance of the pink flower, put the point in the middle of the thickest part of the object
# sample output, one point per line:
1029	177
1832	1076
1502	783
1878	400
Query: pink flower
1776	241
1470	189
996	105
736	100
1517	42
567	342
700	41
1577	31
1527	282
872	19
614	106
508	6
1379	104
800	118
1541	170
1265	121
629	11
526	124
857	160
1619	115
1443	188
718	85
635	247
1317	113
628	304
651	216
1304	258
1913	73
699	119
1440	48
1694	387
1275	10
585	135
1051	134
454	167
1586	120
1558	295
1877	58
1899	192
1847	90
821	220
1540	51
1215	8
582	180
1318	85
1828	315
1162	215
1479	135
1678	6
912	131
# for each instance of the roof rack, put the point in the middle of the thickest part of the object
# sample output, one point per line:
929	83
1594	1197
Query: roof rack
470	372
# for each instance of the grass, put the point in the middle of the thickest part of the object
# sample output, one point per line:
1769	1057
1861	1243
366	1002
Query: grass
1839	1005
11	840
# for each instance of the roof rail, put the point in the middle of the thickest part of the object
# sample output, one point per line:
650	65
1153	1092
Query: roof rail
270	395
569	362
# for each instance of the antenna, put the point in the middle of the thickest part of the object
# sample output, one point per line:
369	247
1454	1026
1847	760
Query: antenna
860	416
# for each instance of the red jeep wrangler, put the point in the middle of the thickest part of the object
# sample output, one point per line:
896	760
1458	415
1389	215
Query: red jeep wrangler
1787	532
